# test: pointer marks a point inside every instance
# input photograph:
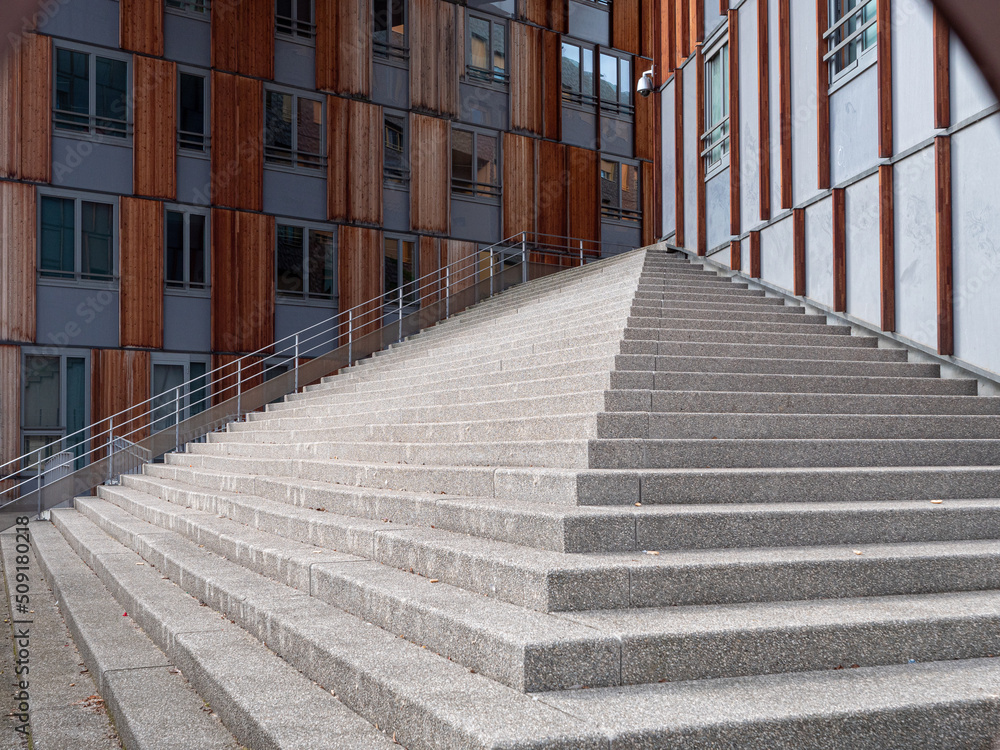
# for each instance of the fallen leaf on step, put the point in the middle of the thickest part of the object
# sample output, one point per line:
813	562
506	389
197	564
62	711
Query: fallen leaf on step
638	505
140	563
434	580
652	552
937	502
857	552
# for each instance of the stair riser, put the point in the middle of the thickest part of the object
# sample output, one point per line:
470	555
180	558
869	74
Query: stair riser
648	328
732	382
671	317
695	349
730	364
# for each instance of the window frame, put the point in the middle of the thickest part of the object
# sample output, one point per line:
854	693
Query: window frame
707	144
616	107
865	57
577	98
475	190
206	148
390	52
304	296
620	214
316	162
61	429
300	32
70	129
184	360
391	297
482	76
77	277
186	287
400	180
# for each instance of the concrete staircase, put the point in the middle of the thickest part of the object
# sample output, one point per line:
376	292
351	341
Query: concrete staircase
631	506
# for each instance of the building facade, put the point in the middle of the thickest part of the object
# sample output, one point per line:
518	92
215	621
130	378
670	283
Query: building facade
185	181
845	151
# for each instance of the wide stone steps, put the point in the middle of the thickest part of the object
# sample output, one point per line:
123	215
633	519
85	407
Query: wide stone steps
760	351
771	365
790	383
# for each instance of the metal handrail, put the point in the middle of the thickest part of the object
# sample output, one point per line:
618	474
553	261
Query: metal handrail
303	357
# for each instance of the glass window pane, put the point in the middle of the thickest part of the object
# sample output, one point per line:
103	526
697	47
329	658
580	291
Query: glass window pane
625	80
408	265
479	43
381	21
196	245
499	49
609	78
398	37
394	163
95	240
587	75
570	68
391	267
278	127
283	16
110	105
610	196
198	400
57	236
322	281
72	93
630	188
310	127
41	392
461	160
167	401
191	117
288	263
486	160
174	262
76	403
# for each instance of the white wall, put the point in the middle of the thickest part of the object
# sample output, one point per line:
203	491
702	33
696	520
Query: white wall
777	262
749	117
819	251
913	72
692	139
805	102
668	138
863	270
916	248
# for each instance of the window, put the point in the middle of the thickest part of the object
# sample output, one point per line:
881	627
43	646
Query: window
180	388
474	163
715	139
394	163
295	18
54	405
577	73
76	239
616	84
196	8
400	271
390	28
851	34
620	191
90	94
186	264
486	49
305	263
191	107
293	130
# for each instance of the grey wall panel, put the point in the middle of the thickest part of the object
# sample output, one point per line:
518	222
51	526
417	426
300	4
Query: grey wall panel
484	106
187	40
717	208
497	7
774	61
916	254
713	19
474	220
854	126
913	72
805	167
691	141
187	325
579	128
194	180
300	195
390	85
620	238
669	173
590	23
289	318
294	64
970	94
819	251
976	196
863	270
77	316
396	209
777	263
91	165
94	23
617	136
749	110
745	256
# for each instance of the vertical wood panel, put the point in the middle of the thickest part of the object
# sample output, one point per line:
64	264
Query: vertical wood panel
154	113
799	251
433	57
822	97
681	29
697	18
26	99
429	266
736	255
649	203
839	250
945	279
344	46
679	158
884	44
552	14
141	26
785	99
463	254
360	258
626	26
942	71
232	378
735	188
10	406
527	99
18	245
141	271
668	42
764	109
242	281
646	134
354	160
551	85
552	216
650	25
120	379
519	178
584	193
887	246
243	37
237	141
755	254
700	212
430	182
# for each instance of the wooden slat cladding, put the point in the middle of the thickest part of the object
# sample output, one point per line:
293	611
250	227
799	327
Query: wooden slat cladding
463	254
430	182
584	194
344	46
696	17
679	159
10	406
141	26
736	255
552	218
667	48
354	166
234	377
527	99
434	57
646	133
887	246
141	264
17	262
785	99
26	100
755	254
649	203
552	14
649	29
242	281
360	257
884	62
519	184
764	109
120	379
243	37
735	194
799	251
945	273
626	26
237	142
839	250
429	267
154	112
942	71
551	86
823	97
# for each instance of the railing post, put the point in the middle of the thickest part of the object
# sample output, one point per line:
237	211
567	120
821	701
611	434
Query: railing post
524	257
239	387
177	419
581	252
447	291
295	364
399	336
491	271
111	446
350	337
